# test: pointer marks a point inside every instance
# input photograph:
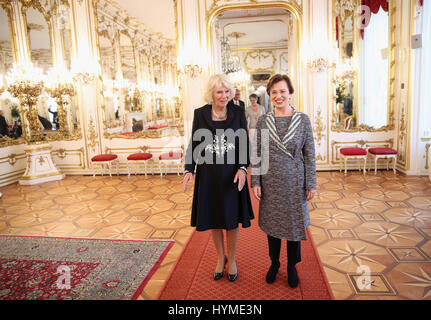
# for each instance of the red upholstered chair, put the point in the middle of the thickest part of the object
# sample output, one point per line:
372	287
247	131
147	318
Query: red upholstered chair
353	154
171	158
383	153
138	159
104	160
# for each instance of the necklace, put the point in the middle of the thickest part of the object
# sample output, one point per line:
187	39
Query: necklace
219	117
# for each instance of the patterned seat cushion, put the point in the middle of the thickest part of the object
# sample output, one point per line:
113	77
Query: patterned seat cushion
382	151
171	156
140	156
353	152
104	157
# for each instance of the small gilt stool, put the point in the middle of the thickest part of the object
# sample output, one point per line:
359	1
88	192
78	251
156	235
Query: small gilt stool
353	154
170	158
102	160
136	159
383	153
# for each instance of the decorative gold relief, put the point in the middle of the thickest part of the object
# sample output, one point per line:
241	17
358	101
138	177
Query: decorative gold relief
427	148
319	127
260	57
92	135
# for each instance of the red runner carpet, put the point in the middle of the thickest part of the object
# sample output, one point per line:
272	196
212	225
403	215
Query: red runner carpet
192	277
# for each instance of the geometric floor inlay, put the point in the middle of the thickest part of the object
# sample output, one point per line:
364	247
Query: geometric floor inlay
372	232
380	224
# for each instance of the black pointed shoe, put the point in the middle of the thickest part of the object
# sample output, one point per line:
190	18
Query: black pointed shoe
272	272
292	277
232	277
219	275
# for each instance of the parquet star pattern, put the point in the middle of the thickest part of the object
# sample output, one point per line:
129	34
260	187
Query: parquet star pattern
382	222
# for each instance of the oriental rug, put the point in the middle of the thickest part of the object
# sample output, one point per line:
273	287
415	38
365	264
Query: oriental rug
45	268
192	276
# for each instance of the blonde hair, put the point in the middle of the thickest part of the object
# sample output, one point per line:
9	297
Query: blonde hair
217	81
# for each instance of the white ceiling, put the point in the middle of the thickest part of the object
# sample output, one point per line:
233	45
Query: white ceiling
158	15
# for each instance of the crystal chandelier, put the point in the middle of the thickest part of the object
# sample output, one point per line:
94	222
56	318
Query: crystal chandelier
230	62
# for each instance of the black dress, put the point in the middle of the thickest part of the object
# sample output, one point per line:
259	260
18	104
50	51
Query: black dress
217	203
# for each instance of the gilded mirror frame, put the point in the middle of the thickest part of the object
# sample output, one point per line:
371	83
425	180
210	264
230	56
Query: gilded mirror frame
148	134
391	73
291	6
7	7
74	134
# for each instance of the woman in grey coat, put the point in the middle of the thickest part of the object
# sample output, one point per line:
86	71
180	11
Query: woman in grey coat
288	181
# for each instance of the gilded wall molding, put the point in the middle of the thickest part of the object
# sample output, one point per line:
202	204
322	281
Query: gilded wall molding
218	3
319	128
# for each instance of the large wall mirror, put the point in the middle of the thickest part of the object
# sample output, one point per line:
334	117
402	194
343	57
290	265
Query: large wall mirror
10	116
252	42
364	76
138	87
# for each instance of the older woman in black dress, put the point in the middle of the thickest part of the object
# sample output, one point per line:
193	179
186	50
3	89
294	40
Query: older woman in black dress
219	153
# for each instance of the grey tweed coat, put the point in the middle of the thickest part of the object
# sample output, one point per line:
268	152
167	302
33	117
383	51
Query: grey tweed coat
283	212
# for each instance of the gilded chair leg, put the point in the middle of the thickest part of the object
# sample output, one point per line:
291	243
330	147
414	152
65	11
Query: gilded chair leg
375	165
345	166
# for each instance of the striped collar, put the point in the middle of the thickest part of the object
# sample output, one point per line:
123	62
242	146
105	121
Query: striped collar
283	143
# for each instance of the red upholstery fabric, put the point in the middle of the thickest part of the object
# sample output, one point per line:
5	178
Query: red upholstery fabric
171	156
140	156
158	127
104	157
382	151
127	133
353	152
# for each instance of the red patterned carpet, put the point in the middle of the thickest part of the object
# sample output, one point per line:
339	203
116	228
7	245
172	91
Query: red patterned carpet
42	268
191	279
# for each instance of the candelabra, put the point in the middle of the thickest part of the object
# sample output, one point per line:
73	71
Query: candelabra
25	83
60	93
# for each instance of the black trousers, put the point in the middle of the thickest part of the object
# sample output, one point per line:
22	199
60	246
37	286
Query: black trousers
293	250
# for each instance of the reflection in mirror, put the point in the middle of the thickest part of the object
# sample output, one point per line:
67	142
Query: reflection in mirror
108	62
10	119
374	74
38	31
39	39
346	103
362	72
65	33
252	44
128	66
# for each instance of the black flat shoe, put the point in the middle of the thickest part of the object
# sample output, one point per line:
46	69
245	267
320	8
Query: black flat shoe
292	277
232	277
219	275
272	272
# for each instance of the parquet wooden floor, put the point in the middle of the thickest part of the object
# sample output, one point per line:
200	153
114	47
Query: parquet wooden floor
381	222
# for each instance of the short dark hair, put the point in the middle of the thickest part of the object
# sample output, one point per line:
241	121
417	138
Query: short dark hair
253	95
278	78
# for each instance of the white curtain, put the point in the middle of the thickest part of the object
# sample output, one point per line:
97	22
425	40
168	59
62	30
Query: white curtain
425	92
374	69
